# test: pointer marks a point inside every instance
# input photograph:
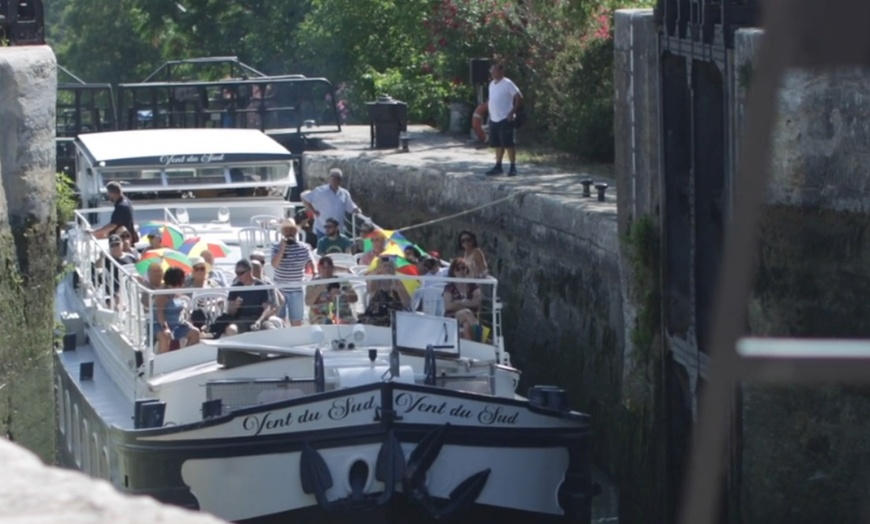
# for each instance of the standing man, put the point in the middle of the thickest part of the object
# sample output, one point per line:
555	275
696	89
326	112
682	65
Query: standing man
504	101
329	201
290	259
122	216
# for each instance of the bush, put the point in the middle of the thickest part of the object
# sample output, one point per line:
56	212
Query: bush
65	199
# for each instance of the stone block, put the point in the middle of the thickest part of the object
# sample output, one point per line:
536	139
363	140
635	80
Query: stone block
28	93
33	492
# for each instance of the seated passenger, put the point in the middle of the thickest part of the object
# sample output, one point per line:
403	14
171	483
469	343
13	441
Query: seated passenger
127	241
248	308
198	277
429	267
116	251
386	295
412	255
379	244
153	280
170	324
321	299
213	274
462	301
154	242
257	262
469	250
333	241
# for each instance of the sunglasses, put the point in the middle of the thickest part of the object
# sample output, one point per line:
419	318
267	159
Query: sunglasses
388	259
240	272
199	268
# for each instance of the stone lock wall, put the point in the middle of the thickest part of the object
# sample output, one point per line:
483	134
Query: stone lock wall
28	89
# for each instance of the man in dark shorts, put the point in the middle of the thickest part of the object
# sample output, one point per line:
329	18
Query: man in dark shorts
504	101
248	308
121	216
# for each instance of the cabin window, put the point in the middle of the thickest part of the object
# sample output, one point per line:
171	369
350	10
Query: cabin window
77	437
61	419
67	416
86	448
94	452
104	464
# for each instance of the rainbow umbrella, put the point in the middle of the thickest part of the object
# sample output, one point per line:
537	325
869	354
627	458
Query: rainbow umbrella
393	237
194	246
167	258
171	236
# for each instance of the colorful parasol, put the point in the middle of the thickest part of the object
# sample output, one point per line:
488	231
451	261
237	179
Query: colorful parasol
393	237
194	246
166	257
171	236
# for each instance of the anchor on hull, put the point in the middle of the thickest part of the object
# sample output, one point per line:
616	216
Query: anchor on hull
391	466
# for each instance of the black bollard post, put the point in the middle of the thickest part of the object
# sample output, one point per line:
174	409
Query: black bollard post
586	183
601	187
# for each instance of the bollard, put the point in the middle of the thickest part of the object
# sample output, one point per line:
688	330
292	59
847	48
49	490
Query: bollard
404	139
601	187
586	183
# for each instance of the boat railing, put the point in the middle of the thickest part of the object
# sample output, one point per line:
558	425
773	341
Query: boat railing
120	299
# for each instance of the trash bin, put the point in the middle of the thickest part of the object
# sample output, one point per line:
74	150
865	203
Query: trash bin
388	120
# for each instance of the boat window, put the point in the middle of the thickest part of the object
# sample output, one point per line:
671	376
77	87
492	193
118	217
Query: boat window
95	455
67	416
76	448
86	449
61	416
190	177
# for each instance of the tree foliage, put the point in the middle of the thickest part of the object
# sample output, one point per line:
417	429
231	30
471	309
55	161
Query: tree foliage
558	51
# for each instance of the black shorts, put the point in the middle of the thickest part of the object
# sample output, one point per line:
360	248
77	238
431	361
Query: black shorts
501	134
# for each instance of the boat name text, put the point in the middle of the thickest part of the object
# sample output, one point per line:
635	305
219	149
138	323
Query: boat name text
487	416
339	409
169	160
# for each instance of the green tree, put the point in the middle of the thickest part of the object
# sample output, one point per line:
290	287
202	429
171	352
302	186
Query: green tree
105	46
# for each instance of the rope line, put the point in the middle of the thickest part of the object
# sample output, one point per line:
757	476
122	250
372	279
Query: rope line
461	213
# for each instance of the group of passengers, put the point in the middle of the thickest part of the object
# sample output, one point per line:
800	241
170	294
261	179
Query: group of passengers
253	307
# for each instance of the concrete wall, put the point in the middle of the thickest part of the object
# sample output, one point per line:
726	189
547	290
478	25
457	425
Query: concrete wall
806	455
28	87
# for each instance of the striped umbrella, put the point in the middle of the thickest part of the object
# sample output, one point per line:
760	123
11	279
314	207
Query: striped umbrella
167	258
194	246
170	235
403	266
393	237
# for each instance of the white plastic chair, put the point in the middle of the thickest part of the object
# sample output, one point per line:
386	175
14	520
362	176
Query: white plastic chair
431	300
251	238
188	231
212	302
264	221
358	270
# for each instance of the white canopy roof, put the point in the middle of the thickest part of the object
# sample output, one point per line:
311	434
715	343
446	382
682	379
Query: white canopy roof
180	147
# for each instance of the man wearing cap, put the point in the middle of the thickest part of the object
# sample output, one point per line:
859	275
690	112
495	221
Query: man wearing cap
329	201
120	257
334	241
290	260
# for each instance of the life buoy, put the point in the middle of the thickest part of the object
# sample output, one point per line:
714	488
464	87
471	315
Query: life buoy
477	121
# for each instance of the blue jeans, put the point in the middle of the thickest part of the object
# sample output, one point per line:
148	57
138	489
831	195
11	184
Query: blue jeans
294	305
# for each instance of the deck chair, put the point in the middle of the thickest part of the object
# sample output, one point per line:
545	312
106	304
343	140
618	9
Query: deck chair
212	302
251	238
265	221
430	299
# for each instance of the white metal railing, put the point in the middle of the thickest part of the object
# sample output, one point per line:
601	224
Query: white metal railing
130	310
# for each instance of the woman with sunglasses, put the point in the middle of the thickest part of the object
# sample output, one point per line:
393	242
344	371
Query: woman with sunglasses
473	255
127	241
386	295
462	300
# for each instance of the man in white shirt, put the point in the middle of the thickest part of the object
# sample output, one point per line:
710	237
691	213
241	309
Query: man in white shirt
504	101
329	201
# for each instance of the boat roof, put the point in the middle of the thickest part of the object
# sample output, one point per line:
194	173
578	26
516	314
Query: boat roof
180	147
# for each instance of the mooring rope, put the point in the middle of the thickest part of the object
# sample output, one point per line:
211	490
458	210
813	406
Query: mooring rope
461	213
